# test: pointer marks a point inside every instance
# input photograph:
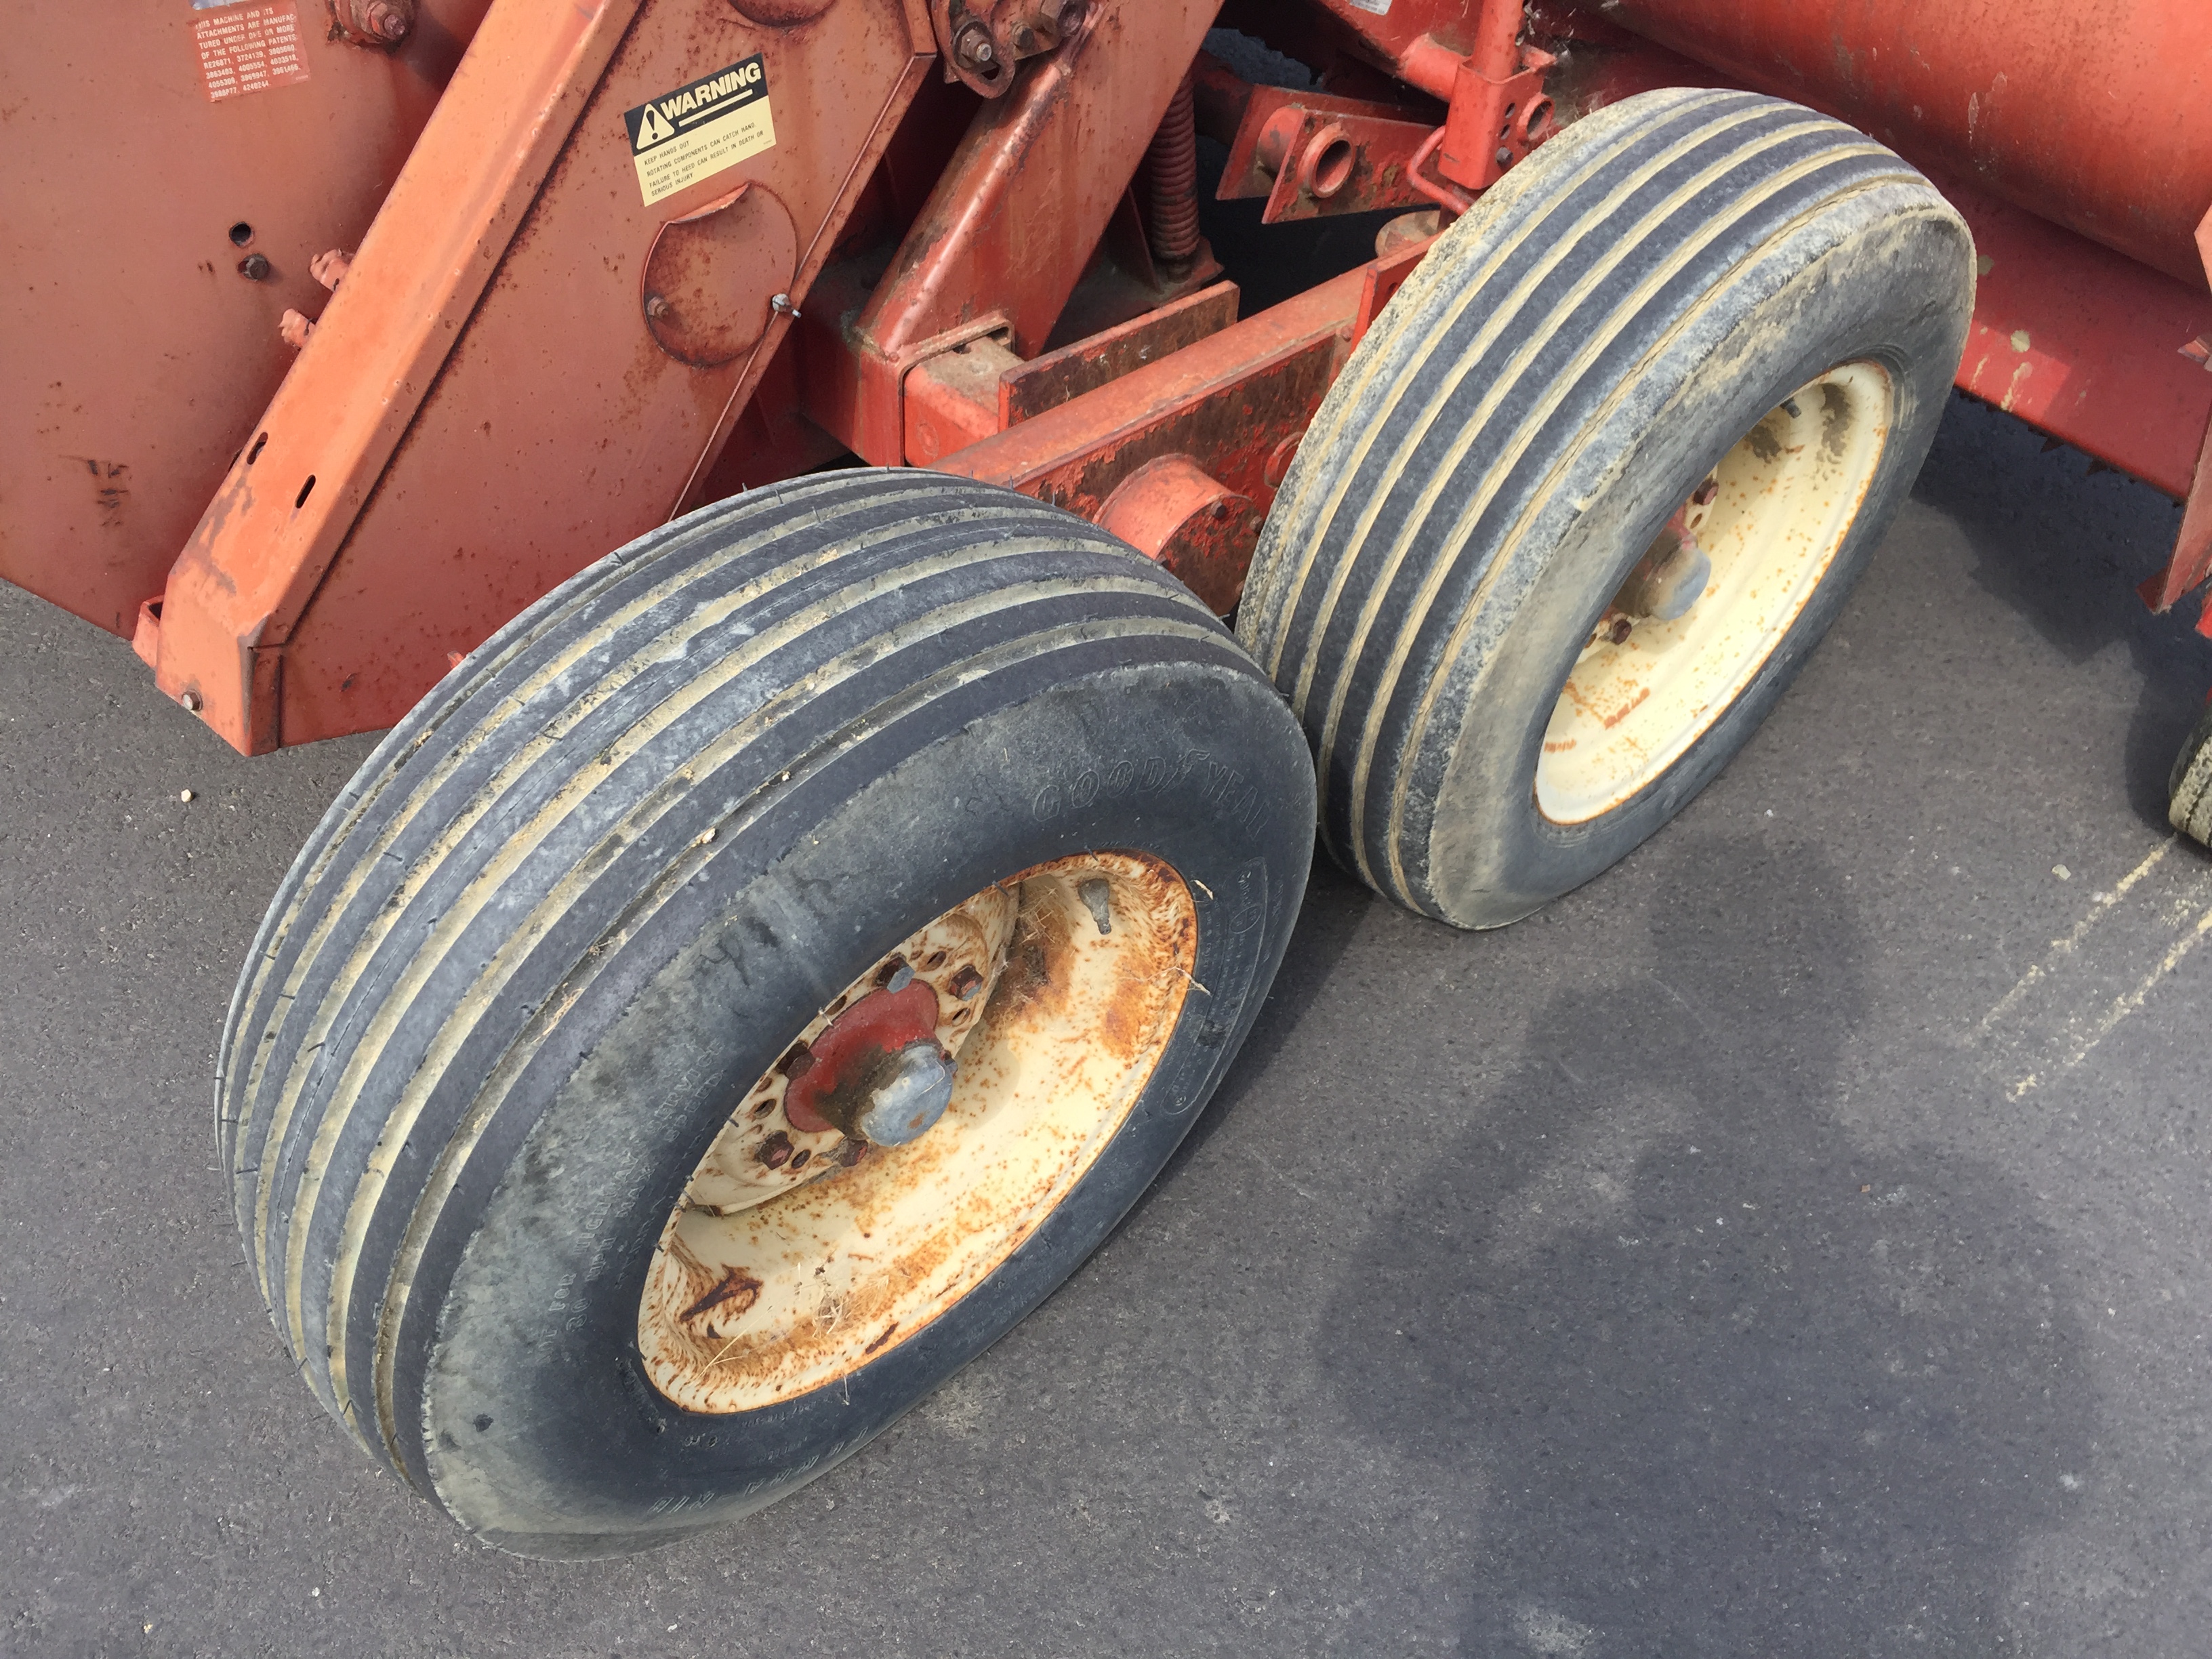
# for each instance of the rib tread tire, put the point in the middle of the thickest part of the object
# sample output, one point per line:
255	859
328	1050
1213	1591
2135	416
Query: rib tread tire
598	751
1481	413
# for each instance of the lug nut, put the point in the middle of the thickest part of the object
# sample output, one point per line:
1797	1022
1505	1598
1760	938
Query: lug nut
655	307
255	267
974	45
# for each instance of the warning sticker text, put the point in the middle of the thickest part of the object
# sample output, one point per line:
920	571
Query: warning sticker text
248	48
687	135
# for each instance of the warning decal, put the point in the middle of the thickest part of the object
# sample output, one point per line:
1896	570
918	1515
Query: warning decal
687	135
247	48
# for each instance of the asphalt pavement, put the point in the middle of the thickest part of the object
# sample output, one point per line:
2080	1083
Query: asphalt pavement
1795	1243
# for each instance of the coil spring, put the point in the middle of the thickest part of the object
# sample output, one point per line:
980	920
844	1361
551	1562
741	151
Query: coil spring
1171	167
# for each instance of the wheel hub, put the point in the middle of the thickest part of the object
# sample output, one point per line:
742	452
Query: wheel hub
921	1127
1709	601
877	1074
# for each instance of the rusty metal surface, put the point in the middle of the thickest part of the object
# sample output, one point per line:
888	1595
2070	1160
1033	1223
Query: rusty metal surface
712	276
2098	118
1310	155
1498	111
134	351
1170	510
1400	245
484	410
982	42
1229	401
1042	383
1016	217
953	399
755	1299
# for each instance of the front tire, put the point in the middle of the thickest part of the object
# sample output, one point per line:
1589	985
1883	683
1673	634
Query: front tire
543	969
1686	290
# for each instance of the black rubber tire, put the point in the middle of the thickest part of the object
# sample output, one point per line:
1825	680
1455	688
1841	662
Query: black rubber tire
470	1125
2189	786
1607	322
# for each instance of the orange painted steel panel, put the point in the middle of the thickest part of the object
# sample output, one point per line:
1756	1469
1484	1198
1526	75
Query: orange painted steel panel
1015	218
1227	401
2084	345
2096	117
134	356
485	408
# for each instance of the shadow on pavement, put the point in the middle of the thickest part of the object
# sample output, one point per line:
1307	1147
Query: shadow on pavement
2065	552
1712	1378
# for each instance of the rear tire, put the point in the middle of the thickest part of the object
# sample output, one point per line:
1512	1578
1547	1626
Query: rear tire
1632	312
582	901
2189	788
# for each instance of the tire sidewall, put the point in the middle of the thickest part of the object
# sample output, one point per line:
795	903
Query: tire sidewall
535	1334
1882	291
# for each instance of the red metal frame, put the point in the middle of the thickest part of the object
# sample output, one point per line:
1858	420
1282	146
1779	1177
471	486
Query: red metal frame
530	363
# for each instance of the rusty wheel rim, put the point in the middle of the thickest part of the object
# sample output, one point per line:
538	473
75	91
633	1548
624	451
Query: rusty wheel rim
798	1253
1775	512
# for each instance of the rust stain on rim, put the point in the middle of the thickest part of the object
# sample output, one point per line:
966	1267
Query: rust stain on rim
770	1281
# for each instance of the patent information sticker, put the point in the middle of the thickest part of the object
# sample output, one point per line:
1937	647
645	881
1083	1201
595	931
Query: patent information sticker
694	132
246	48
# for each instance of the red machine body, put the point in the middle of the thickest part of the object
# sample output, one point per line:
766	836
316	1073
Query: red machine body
928	232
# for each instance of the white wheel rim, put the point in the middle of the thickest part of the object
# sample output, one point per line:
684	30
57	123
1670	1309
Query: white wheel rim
769	1283
1788	495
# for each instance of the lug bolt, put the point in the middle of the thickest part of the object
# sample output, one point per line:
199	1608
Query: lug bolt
655	307
974	45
